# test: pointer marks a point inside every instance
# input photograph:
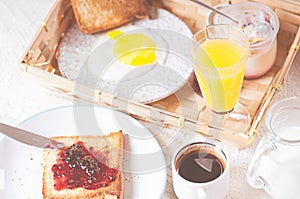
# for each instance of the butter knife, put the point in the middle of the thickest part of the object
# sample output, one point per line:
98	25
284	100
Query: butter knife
29	138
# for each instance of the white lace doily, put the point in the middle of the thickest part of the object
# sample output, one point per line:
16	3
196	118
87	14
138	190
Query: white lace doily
158	83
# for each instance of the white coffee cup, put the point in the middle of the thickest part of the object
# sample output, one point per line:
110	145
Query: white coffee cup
216	188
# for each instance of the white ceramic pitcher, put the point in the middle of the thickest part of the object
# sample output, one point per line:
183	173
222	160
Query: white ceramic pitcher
275	166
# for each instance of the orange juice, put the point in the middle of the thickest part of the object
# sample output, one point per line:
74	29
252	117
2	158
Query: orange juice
220	72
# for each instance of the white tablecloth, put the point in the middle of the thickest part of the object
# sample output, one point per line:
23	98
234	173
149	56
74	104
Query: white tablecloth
22	96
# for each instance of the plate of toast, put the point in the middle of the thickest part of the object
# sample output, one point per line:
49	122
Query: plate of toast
121	65
107	154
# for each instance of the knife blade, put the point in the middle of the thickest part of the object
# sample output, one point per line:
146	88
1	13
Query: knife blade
30	138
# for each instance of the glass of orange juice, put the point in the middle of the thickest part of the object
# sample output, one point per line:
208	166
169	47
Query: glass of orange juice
220	54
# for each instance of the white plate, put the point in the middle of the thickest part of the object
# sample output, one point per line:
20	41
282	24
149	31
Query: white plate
158	83
144	162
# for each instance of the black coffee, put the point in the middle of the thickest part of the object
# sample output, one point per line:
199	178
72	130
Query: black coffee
200	167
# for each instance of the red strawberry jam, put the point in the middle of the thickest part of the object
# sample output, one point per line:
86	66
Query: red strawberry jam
78	167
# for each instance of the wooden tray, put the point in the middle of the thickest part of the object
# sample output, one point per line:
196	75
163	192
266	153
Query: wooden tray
40	60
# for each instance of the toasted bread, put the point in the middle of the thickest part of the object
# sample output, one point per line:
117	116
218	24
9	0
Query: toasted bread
110	146
99	15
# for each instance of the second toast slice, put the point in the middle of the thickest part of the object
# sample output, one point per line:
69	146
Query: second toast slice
99	15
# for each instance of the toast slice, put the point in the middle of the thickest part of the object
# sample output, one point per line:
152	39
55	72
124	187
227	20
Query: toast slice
99	15
106	149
